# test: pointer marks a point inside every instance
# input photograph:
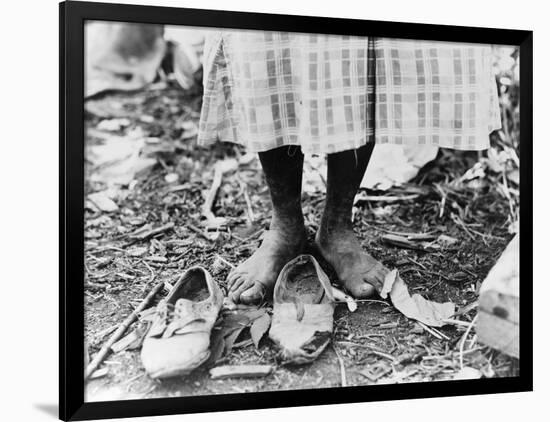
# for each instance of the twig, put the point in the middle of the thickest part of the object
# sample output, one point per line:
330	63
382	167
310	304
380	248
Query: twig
101	286
253	235
433	331
343	379
99	336
418	263
463	340
198	231
219	171
371	349
211	195
458	322
458	221
152	232
383	355
100	356
249	210
371	301
443	200
152	277
224	261
240	371
385	198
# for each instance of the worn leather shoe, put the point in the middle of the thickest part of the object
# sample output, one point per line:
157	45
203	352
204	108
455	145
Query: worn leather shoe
303	308
178	339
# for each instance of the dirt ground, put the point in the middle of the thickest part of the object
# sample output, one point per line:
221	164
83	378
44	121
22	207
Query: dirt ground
375	344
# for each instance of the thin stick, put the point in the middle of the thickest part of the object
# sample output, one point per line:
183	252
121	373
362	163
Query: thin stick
212	193
249	210
224	261
343	379
100	356
463	340
153	232
433	331
198	231
458	322
371	301
443	200
386	198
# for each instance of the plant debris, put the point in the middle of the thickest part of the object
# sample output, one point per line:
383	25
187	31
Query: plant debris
240	371
415	306
458	220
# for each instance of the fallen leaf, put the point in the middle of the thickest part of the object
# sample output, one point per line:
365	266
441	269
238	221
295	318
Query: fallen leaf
230	340
132	341
376	371
253	314
99	373
389	281
113	125
445	240
103	202
259	327
418	308
340	296
468	373
118	159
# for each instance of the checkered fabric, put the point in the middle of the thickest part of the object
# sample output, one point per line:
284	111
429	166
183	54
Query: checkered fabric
331	93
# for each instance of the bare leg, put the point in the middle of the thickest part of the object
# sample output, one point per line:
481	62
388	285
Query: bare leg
286	238
356	269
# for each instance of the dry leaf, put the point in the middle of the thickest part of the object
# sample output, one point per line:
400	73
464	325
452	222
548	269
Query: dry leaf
340	296
259	328
99	373
418	308
253	314
103	202
217	347
389	280
132	341
445	240
468	373
230	340
113	125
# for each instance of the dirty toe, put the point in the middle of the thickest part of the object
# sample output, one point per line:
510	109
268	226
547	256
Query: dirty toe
361	289
253	295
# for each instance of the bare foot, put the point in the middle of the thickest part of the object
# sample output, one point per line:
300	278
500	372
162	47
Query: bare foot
255	277
359	272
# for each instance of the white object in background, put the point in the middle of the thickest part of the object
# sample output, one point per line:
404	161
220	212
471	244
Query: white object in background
392	165
121	56
187	52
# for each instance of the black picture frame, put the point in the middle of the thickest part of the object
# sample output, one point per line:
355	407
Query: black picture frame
72	16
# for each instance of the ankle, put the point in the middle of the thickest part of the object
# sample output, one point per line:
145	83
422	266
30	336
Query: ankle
333	224
292	229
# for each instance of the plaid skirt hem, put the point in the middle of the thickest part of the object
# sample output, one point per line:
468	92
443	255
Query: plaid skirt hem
322	148
329	94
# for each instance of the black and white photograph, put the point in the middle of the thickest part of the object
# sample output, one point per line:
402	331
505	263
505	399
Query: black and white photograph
271	211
